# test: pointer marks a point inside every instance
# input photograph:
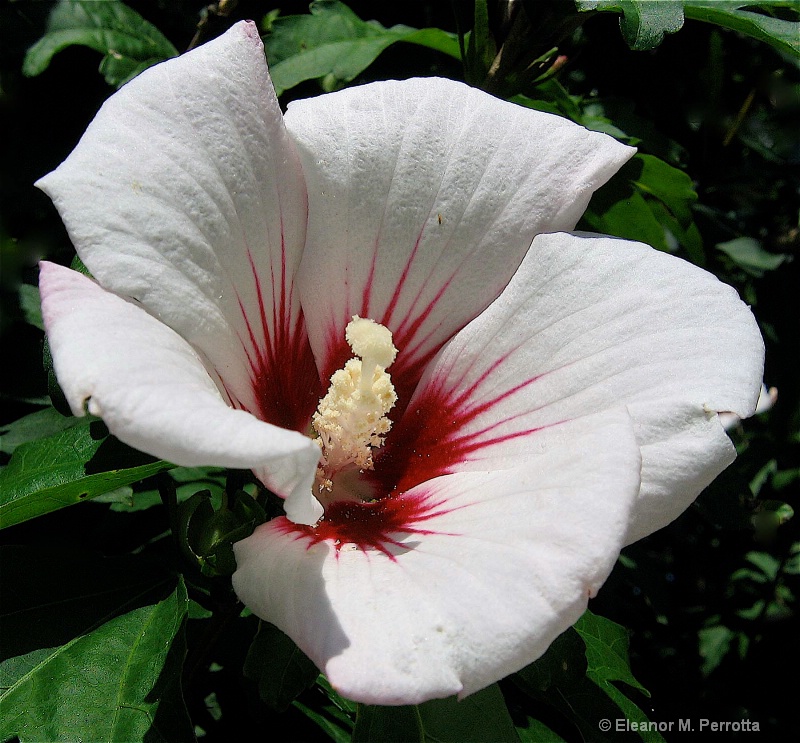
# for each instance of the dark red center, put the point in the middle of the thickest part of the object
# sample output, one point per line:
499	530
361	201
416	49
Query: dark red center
377	525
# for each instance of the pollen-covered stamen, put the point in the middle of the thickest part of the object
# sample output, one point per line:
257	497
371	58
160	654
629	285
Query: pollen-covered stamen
351	419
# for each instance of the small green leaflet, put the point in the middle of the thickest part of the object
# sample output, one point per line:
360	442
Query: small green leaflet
535	731
644	23
747	254
105	685
53	593
188	480
38	425
128	43
480	717
607	657
740	15
334	45
281	670
388	725
577	676
335	716
31	304
650	201
74	464
606	651
481	48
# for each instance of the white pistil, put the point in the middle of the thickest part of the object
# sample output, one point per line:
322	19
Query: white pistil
351	419
373	343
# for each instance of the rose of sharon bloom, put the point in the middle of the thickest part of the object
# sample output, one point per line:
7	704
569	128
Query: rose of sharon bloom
371	302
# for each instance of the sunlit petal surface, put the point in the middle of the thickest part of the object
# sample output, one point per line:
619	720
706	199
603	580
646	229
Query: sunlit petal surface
424	195
587	324
462	580
186	195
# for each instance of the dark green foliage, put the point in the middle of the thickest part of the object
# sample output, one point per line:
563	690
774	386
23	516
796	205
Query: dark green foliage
128	43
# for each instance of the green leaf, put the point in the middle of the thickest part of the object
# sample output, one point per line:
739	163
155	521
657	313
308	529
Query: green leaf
333	44
783	478
388	725
480	717
558	678
33	426
644	23
190	480
747	254
70	466
281	670
714	644
53	594
430	38
670	193
742	16
620	209
583	688
57	397
344	705
607	658
535	731
581	704
128	42
562	666
335	729
481	47
606	651
334	715
668	184
31	304
768	564
792	564
650	201
106	685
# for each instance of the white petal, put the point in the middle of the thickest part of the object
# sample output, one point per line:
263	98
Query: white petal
683	449
151	389
589	324
186	194
414	188
473	581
